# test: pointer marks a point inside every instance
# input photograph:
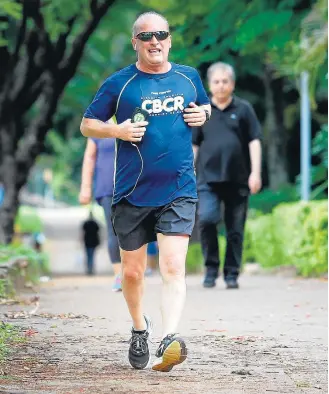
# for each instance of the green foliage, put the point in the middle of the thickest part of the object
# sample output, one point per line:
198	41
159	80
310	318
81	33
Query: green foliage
194	259
65	163
307	51
9	9
9	335
27	220
107	50
320	171
33	266
294	234
268	199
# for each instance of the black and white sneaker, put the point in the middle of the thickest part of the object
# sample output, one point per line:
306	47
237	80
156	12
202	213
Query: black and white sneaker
139	354
171	351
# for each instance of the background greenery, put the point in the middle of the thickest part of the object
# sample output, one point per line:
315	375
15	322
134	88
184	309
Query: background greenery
293	234
269	43
31	265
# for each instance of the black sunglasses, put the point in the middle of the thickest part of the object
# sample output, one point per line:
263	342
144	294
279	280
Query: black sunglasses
148	35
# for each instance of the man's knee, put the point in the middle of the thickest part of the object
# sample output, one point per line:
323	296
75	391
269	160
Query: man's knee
132	274
207	218
173	266
235	237
132	268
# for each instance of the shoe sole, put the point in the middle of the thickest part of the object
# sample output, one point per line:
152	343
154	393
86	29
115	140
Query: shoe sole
175	354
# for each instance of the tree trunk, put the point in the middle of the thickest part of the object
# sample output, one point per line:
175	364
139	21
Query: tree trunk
34	75
276	141
8	173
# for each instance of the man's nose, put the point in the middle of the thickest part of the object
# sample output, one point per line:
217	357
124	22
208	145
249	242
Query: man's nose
154	41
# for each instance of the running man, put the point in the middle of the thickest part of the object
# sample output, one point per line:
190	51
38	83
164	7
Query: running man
155	188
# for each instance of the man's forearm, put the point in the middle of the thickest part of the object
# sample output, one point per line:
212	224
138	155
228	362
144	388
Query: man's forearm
98	129
87	174
255	150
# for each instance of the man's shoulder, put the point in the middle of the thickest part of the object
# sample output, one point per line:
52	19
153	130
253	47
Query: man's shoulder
186	70
122	75
242	103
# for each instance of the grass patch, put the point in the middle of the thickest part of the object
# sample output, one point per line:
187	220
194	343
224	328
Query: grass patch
9	336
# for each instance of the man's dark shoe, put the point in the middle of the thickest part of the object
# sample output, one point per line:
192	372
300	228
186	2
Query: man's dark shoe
139	354
171	351
232	284
210	278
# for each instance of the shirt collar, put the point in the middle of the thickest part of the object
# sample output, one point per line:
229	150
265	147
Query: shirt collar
231	105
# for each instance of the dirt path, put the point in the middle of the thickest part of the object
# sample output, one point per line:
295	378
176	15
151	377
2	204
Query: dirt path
268	337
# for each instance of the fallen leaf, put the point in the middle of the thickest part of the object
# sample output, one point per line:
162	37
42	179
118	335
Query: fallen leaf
30	332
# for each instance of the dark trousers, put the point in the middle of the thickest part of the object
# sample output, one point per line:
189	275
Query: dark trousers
90	253
235	201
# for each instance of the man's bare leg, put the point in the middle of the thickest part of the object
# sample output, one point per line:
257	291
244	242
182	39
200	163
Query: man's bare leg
172	255
133	268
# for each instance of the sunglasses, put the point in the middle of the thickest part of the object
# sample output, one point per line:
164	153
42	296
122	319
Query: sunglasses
148	35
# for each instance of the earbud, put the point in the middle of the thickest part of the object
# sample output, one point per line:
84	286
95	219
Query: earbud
135	47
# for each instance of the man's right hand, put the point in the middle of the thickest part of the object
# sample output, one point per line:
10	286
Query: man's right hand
85	195
132	132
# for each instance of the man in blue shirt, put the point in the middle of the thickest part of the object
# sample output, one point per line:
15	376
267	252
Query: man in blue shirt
154	187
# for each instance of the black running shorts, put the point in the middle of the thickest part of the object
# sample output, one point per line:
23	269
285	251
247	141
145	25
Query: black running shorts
137	226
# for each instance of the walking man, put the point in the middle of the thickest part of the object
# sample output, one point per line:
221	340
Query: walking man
228	152
155	188
91	240
98	166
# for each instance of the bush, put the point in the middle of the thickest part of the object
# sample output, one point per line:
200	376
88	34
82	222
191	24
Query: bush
34	265
28	221
294	234
304	235
194	259
268	199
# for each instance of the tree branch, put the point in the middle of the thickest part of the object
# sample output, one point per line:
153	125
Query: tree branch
93	6
44	39
5	57
32	142
61	44
32	95
69	65
28	69
5	60
21	33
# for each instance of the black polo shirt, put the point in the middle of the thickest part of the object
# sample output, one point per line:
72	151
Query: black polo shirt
224	143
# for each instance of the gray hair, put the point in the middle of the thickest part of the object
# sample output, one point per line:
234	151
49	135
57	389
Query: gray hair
144	16
222	67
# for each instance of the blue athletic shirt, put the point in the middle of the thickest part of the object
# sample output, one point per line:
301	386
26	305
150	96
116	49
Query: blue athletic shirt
104	167
160	168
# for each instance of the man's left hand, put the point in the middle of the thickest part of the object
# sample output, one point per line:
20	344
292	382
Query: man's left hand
254	183
194	116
